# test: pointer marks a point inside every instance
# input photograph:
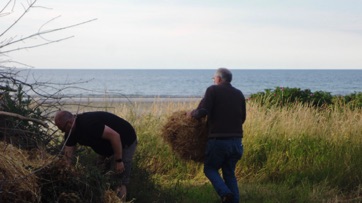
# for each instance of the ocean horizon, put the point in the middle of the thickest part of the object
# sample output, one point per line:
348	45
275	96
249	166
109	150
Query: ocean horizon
183	83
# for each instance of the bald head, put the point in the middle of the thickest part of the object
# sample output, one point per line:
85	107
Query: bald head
62	118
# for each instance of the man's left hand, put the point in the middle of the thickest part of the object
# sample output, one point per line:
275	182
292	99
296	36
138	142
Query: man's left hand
120	167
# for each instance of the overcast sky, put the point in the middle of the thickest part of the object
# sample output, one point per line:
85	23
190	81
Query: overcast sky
192	34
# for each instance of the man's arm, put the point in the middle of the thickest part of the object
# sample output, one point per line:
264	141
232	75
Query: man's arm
200	111
204	106
115	140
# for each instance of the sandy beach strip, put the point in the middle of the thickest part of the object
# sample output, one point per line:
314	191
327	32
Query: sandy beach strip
132	99
85	100
140	104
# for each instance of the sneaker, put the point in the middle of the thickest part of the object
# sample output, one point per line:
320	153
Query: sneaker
228	198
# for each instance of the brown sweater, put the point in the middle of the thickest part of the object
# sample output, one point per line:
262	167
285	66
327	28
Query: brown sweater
225	109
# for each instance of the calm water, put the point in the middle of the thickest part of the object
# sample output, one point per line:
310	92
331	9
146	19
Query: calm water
189	83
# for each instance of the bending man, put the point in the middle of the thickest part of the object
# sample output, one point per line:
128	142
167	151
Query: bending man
107	134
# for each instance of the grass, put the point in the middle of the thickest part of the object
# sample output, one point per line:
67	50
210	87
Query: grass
294	154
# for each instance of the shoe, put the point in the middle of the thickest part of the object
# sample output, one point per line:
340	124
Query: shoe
228	198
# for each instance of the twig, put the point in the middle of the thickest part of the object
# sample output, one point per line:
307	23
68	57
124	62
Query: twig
17	20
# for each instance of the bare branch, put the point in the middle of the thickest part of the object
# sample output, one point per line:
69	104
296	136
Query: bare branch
23	118
11	41
34	46
43	33
2	10
39	31
20	17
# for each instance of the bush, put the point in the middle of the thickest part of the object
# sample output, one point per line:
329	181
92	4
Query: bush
351	101
285	96
20	132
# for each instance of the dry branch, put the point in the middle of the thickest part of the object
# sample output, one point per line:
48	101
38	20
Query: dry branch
24	118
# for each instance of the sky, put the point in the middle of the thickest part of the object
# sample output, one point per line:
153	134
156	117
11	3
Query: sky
187	34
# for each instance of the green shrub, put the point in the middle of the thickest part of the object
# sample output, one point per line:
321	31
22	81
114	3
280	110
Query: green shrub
285	96
351	101
20	132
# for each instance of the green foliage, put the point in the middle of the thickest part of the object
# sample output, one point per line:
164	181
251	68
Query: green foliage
352	101
20	132
285	96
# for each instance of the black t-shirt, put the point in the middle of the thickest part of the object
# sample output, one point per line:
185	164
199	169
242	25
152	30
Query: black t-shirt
89	128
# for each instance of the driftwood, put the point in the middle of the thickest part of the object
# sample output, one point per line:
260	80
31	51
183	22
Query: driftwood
24	118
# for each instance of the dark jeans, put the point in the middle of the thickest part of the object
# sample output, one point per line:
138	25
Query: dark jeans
223	154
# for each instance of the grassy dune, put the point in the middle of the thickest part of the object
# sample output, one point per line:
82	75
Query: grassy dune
294	154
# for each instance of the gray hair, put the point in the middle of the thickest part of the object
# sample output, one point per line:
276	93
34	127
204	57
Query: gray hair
224	74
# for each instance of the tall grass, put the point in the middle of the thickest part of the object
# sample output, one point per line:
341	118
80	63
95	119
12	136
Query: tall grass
293	154
298	144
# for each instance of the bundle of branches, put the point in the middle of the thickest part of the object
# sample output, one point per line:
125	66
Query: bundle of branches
59	182
35	176
186	136
18	183
62	183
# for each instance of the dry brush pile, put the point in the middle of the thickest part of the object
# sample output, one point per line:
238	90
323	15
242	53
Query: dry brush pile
35	176
16	182
186	136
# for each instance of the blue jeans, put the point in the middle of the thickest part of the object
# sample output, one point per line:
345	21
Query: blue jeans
223	154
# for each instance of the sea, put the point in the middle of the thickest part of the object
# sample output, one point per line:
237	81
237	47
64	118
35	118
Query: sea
146	83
